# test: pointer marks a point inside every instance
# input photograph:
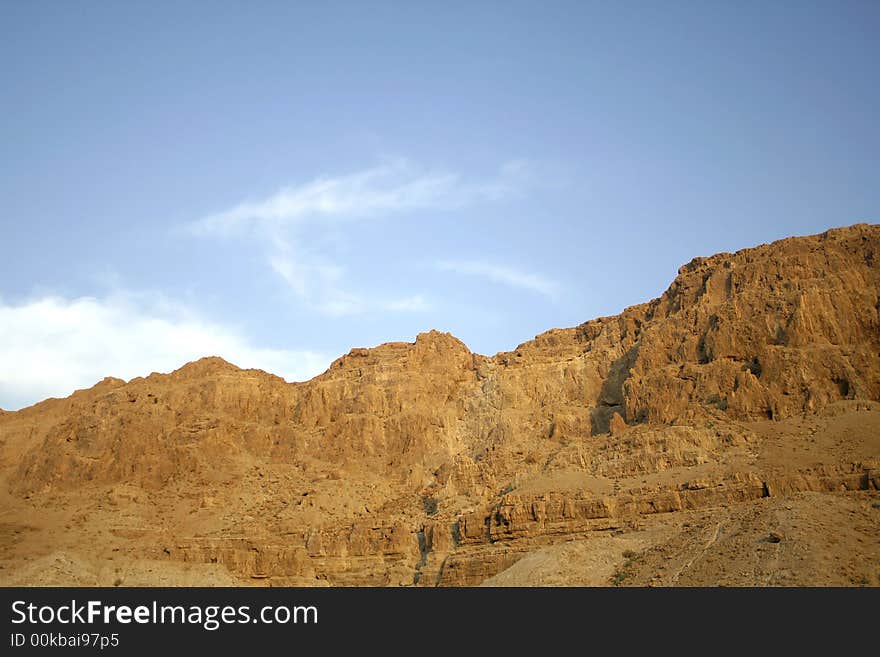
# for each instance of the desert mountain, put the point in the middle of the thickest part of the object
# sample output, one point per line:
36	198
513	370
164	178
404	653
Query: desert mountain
727	432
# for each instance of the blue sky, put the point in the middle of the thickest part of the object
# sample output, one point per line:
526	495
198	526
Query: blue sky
276	183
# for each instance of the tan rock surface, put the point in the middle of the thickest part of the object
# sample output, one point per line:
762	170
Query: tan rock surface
659	446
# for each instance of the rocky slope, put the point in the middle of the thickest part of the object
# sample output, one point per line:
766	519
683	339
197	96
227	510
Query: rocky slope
727	432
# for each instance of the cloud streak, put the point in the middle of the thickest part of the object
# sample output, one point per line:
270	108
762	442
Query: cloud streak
386	189
51	346
503	275
293	223
318	284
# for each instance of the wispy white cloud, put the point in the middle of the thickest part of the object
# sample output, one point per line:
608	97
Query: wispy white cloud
318	284
502	274
51	346
307	279
414	303
295	254
340	304
393	187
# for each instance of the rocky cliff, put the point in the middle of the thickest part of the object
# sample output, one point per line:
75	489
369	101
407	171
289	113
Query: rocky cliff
596	454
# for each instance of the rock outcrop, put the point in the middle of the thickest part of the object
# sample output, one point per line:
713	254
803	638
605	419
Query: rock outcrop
423	463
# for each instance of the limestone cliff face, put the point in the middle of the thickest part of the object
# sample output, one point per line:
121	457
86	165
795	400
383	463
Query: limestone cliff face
776	331
426	444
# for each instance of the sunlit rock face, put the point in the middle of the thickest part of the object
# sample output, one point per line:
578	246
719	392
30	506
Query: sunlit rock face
741	402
